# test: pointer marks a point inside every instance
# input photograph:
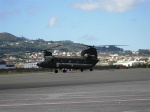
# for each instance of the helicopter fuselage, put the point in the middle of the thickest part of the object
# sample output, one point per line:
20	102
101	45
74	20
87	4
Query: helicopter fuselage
69	63
87	60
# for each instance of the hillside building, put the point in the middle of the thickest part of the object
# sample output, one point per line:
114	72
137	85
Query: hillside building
5	65
31	65
2	64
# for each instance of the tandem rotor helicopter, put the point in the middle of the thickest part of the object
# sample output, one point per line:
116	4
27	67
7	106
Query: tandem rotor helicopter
87	60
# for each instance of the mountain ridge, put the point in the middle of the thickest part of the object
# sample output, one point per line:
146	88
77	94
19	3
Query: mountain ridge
7	37
10	43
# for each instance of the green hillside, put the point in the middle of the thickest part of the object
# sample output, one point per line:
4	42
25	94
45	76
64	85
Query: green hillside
12	44
7	37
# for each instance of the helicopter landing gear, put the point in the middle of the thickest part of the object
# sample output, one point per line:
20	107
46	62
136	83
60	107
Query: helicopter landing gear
91	69
64	71
56	71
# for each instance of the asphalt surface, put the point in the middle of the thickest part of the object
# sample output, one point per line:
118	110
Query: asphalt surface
98	91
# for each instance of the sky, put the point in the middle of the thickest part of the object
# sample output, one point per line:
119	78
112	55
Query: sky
92	22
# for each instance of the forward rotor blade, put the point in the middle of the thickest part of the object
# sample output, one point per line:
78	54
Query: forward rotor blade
50	48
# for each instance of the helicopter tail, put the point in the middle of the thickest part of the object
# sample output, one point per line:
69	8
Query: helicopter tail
89	52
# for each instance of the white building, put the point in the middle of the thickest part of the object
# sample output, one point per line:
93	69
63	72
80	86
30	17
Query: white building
5	65
2	65
31	65
128	63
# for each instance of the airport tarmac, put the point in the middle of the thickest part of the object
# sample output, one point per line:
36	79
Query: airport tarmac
126	90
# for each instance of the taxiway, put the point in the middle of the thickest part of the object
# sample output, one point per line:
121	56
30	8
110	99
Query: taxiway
99	91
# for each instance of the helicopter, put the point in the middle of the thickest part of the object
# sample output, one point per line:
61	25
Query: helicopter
87	60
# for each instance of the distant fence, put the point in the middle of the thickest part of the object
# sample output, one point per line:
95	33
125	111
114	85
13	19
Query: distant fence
121	66
36	70
23	70
98	67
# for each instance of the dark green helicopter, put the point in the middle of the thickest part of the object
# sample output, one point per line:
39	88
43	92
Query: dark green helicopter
87	60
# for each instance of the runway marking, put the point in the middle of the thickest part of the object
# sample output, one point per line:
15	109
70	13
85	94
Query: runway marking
67	102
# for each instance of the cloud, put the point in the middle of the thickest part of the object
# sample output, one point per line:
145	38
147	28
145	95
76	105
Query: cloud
9	2
7	13
119	5
88	38
32	10
108	5
52	21
87	5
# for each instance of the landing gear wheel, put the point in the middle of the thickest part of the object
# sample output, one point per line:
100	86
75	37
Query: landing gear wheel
64	71
81	70
91	69
56	71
